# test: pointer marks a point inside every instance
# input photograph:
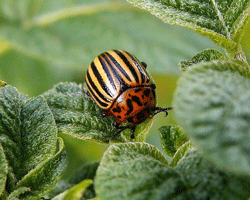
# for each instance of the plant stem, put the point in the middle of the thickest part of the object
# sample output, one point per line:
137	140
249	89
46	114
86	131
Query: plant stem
238	55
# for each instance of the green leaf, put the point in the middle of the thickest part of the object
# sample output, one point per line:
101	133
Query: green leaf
2	83
38	132
204	56
222	21
28	136
141	131
17	10
3	169
87	171
205	181
76	114
72	34
10	130
16	193
172	138
212	104
180	153
32	76
137	171
74	192
45	176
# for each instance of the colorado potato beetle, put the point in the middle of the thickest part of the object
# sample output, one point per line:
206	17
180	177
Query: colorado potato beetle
119	83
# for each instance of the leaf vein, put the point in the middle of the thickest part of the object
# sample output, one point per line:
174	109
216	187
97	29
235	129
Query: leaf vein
221	18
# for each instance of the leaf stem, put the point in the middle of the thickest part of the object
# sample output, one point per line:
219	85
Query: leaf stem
238	55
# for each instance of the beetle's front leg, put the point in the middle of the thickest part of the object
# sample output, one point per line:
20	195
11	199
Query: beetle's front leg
116	125
158	110
132	133
132	127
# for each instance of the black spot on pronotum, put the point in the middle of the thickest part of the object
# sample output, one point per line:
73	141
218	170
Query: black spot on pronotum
119	116
136	100
138	90
130	106
117	109
146	92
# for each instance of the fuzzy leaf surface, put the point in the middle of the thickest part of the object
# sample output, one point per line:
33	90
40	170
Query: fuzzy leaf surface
45	176
204	56
212	104
3	169
28	135
205	181
180	153
137	171
222	21
172	138
38	132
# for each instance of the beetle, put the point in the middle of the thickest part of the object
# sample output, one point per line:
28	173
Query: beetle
119	83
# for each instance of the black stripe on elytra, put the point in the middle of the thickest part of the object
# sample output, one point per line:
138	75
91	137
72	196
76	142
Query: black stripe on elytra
119	67
96	98
130	106
141	70
131	67
136	100
107	71
138	90
100	80
120	81
96	90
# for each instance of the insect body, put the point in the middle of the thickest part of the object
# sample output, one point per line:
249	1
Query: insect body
121	86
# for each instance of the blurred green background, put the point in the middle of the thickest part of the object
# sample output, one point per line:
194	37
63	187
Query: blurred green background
44	42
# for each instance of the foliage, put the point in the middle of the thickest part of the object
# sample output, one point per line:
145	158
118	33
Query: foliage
209	149
33	158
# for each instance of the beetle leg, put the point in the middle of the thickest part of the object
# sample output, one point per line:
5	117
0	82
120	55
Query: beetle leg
116	125
132	127
88	94
117	133
132	133
158	110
